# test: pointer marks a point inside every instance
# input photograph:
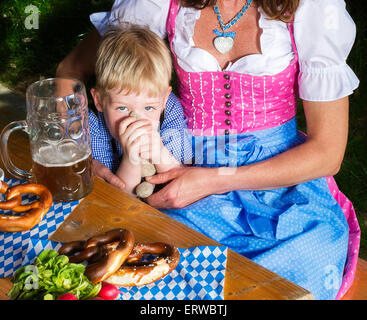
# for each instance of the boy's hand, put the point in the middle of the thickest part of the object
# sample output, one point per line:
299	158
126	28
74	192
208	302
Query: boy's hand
151	147
133	134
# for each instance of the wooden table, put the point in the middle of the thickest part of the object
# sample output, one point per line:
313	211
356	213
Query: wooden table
107	207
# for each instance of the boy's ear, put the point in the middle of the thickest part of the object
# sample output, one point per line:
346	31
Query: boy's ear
169	90
97	99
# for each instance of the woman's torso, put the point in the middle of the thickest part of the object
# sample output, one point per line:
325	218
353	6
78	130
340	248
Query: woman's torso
261	46
227	102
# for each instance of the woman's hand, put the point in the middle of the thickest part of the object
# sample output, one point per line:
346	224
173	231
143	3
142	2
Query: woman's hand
185	186
106	174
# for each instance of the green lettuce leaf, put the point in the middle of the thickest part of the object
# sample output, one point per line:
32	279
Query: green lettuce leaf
49	276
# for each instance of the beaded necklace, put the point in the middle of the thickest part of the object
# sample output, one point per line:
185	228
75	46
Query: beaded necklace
225	40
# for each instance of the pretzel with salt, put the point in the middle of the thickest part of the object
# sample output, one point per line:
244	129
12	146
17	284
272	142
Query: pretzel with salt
137	272
114	257
109	250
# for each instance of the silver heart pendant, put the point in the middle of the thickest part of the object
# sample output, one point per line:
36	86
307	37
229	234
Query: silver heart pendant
223	44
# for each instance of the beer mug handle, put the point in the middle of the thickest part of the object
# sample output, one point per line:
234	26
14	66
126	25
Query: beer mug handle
4	138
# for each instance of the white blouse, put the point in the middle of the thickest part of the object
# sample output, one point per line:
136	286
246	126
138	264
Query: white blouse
324	34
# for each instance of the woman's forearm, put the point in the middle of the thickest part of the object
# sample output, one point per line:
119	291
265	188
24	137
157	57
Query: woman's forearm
286	169
319	156
80	62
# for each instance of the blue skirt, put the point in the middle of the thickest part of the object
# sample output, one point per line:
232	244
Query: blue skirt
298	232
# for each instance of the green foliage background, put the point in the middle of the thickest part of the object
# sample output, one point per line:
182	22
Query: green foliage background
26	55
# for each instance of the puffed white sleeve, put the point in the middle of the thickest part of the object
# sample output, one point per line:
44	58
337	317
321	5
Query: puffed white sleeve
324	34
151	13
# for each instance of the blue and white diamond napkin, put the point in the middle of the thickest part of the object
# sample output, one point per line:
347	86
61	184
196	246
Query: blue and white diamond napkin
198	276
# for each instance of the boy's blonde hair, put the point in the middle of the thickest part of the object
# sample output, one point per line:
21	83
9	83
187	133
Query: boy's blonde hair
133	59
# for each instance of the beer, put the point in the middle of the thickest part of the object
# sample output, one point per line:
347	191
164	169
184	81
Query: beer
69	176
57	124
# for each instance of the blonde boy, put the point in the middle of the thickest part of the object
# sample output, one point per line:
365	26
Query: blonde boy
132	92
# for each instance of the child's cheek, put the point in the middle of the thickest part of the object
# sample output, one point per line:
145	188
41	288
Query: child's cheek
114	129
114	126
118	127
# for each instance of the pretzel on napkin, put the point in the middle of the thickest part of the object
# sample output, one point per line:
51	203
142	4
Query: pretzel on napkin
129	268
35	210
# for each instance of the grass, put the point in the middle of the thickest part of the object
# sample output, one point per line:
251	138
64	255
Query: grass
26	55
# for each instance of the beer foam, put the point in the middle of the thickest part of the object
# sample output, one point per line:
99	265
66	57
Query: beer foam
64	155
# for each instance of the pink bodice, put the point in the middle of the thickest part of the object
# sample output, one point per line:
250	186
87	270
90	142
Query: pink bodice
217	103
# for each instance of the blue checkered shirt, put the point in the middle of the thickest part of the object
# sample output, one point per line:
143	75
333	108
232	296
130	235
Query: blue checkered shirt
173	132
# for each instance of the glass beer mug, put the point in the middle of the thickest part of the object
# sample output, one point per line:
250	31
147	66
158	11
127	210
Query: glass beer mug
58	128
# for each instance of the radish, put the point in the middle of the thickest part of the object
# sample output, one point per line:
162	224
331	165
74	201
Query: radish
108	291
67	296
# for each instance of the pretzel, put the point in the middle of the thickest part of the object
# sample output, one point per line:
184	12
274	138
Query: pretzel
111	248
82	253
36	210
136	272
126	268
8	204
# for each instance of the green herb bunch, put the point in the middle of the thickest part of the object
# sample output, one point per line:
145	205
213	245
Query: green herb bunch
49	276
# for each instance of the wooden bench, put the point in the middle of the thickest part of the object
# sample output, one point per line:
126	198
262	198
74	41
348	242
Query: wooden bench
358	290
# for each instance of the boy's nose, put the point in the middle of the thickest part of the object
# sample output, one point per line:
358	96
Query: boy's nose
134	114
